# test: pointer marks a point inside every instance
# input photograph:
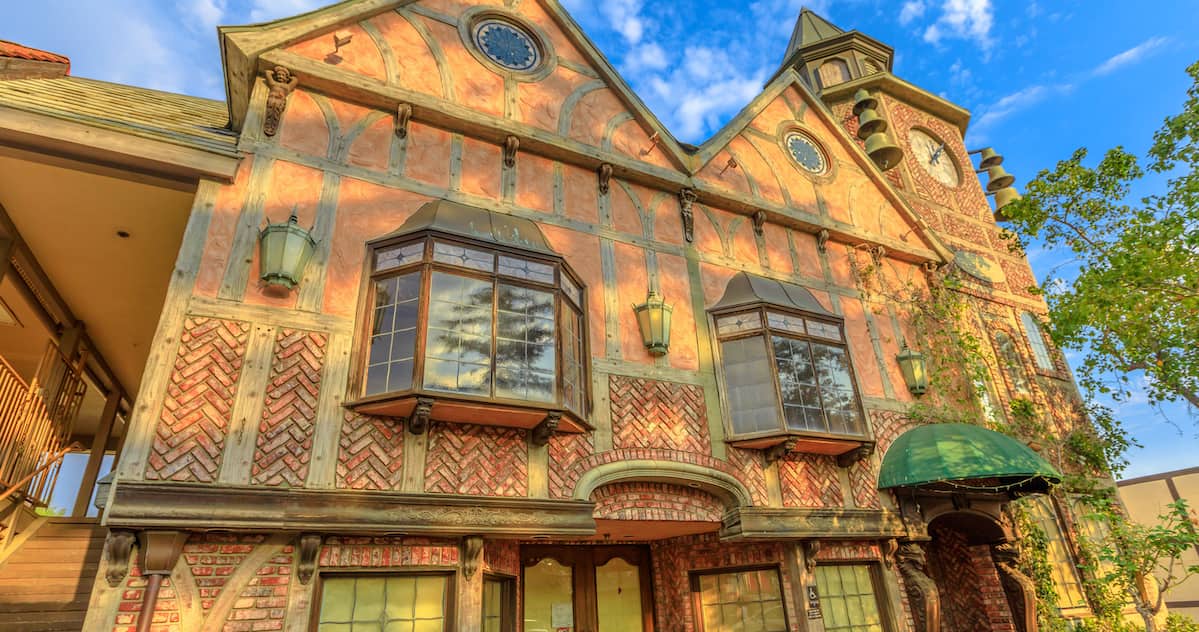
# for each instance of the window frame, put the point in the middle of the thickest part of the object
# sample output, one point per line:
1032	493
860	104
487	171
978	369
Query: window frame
765	331
1013	369
697	604
885	618
425	266
508	607
1033	337
1054	514
450	602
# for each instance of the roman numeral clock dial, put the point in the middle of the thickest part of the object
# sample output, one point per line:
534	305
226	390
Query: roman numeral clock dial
934	156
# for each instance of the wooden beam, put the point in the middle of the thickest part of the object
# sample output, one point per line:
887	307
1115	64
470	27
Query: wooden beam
99	444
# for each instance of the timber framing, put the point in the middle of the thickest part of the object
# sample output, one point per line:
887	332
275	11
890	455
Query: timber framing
757	523
201	507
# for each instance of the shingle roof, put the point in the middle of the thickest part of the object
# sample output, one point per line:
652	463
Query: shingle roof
15	50
164	116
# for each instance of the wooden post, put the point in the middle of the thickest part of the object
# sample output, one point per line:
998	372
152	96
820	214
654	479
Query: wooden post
99	446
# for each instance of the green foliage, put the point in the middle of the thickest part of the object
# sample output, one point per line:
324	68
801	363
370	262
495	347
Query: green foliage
1034	562
1135	299
1179	623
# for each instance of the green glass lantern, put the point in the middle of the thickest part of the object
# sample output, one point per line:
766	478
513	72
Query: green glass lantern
911	364
653	318
283	252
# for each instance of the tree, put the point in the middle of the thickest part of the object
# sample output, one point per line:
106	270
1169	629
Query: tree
1134	304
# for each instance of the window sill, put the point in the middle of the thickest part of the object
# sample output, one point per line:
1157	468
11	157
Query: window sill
847	448
418	408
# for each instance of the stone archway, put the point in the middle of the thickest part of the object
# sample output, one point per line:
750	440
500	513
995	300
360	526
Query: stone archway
969	583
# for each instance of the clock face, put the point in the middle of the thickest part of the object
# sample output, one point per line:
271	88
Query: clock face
934	155
806	153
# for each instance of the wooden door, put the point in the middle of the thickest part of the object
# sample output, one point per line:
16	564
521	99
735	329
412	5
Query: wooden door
586	589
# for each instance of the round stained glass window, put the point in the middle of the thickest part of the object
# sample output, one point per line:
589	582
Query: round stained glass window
805	152
507	44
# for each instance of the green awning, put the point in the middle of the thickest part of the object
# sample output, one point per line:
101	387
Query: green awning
971	456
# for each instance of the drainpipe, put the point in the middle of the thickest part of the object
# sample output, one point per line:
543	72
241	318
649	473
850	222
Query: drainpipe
160	551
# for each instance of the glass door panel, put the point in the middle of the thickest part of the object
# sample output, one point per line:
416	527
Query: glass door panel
549	597
618	596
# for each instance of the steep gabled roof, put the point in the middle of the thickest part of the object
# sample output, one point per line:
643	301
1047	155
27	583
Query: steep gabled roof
809	29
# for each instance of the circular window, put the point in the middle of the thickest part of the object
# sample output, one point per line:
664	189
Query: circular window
507	44
806	152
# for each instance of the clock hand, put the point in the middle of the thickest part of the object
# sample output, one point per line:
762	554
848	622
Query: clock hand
936	157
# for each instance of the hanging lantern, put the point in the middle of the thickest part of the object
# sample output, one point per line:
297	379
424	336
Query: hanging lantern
653	318
911	364
283	252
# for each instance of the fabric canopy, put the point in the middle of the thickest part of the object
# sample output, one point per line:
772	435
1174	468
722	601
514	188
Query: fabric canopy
940	453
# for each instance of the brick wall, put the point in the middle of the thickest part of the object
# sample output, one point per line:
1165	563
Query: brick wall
655	501
972	596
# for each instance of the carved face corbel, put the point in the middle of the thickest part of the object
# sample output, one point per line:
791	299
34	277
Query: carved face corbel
811	548
472	555
418	421
310	548
541	433
511	144
403	118
687	198
605	178
118	548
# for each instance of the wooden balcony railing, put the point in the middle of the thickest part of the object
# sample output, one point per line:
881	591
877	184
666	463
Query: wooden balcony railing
35	424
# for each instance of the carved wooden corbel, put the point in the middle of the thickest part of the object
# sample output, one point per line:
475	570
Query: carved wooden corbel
779	450
857	454
822	240
418	421
877	254
811	548
511	144
118	548
403	117
889	547
541	433
605	178
280	83
310	549
759	220
687	198
472	555
922	590
1020	589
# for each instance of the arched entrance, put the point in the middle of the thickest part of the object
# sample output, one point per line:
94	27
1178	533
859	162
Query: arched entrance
960	563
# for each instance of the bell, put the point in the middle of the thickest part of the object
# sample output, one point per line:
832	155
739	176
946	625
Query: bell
990	158
1003	197
883	151
862	99
998	178
869	123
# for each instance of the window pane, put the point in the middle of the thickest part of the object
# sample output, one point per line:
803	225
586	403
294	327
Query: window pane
1036	340
1011	363
525	269
572	361
572	291
836	389
393	340
525	338
618	596
797	379
747	601
847	598
396	256
383	603
464	257
1065	575
824	330
785	322
753	403
496	592
458	341
738	322
548	596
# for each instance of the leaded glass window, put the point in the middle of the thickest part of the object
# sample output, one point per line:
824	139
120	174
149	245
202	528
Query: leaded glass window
458	319
785	372
848	599
1036	340
1011	363
741	601
1065	574
507	44
384	603
498	606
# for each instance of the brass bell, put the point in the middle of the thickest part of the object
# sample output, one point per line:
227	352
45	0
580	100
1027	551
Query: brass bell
883	151
990	158
998	178
869	123
1003	197
862	99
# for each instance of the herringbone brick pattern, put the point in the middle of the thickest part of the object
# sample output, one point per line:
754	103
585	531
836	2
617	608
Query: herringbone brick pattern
477	460
888	425
565	450
863	477
810	480
371	453
657	414
289	414
962	603
748	465
195	413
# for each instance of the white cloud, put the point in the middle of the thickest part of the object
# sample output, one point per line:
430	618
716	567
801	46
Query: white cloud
624	16
912	9
645	56
1009	105
963	19
208	14
1131	56
266	10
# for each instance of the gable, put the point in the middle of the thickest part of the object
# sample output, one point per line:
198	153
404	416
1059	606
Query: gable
852	192
426	48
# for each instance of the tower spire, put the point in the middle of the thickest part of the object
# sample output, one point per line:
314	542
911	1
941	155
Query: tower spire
809	29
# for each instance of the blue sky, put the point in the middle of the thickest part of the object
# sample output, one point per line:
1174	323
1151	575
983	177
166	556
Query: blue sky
1041	78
